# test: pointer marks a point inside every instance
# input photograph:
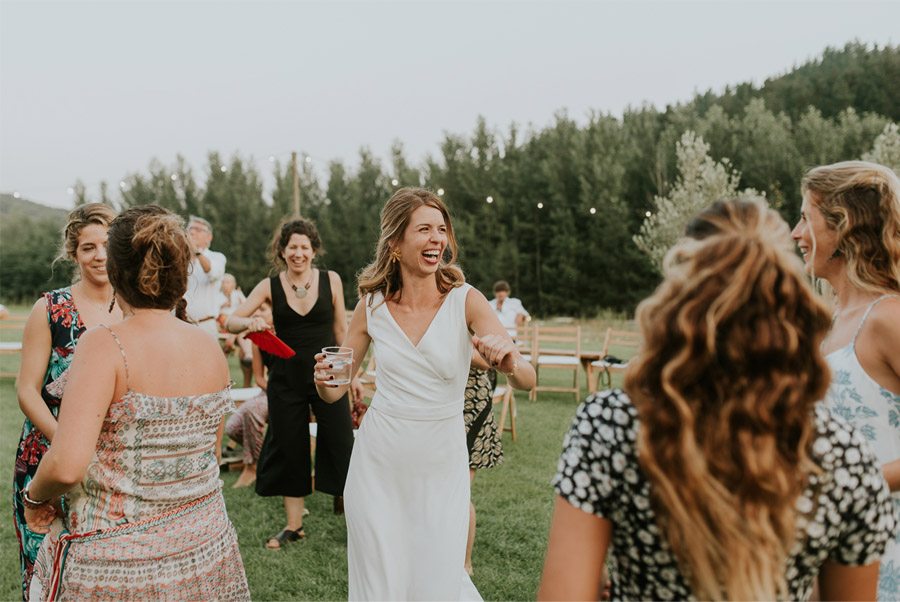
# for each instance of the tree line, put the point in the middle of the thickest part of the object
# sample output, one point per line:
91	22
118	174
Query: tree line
553	210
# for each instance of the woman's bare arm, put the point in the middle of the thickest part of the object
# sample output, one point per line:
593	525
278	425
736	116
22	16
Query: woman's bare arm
30	380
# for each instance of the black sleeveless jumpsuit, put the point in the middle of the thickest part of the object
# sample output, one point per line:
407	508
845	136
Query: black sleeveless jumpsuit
284	461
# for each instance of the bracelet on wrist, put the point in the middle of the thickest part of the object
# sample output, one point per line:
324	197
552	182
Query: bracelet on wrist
31	503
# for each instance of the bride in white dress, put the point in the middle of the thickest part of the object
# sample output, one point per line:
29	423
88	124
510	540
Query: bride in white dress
407	492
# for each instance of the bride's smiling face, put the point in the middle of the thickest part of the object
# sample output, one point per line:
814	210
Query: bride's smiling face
424	240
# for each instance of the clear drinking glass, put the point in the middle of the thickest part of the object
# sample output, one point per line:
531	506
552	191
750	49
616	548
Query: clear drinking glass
341	360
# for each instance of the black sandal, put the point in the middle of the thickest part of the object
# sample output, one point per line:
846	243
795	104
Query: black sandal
285	537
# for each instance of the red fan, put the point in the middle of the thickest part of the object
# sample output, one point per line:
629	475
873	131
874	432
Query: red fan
268	342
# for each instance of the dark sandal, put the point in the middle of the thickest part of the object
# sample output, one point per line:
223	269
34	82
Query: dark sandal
285	537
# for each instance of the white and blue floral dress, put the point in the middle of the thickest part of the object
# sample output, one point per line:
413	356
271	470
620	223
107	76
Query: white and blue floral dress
875	412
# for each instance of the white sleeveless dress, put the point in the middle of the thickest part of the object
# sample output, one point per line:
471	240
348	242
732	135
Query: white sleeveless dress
407	492
875	413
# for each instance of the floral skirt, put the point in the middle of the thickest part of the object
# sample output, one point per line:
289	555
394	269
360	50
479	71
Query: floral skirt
485	446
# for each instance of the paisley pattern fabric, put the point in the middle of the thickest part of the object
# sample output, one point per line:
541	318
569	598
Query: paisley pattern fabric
148	519
487	447
845	514
875	412
65	329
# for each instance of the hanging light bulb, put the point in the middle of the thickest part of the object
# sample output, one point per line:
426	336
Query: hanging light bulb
647	214
440	192
593	210
394	182
540	205
490	200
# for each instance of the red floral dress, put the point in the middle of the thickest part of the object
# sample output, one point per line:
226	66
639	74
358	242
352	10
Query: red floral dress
65	329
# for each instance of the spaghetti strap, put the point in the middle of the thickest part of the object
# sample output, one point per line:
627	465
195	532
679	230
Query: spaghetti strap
121	350
866	315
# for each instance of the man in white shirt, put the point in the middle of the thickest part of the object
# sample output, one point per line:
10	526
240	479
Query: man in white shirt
204	278
509	310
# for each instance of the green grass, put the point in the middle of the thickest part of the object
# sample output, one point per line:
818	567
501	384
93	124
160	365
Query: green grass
513	500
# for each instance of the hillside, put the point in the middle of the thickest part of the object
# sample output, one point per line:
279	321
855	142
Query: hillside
858	75
11	208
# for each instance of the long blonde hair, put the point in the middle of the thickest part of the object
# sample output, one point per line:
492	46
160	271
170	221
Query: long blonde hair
859	200
725	387
383	274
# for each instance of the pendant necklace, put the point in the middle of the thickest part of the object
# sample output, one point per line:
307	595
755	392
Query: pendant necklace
300	292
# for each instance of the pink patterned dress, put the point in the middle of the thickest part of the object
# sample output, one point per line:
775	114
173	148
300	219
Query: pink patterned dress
148	520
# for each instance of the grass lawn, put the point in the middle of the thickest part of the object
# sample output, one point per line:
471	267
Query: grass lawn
513	500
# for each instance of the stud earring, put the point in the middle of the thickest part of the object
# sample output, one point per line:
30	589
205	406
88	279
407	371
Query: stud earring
395	256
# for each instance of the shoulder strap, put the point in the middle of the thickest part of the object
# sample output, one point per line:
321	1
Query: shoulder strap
866	315
121	350
324	287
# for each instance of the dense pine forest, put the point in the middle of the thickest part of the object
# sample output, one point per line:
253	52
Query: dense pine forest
553	210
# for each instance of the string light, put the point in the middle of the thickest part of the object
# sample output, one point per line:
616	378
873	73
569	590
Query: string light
122	184
440	192
540	205
174	176
593	210
647	214
490	200
16	194
224	169
394	182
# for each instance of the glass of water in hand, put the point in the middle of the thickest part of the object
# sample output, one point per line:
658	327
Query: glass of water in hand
341	360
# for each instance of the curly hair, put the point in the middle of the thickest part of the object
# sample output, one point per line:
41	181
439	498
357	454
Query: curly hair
283	234
859	200
725	386
148	259
383	275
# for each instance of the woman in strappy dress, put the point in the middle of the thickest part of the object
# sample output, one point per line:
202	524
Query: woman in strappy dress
308	314
407	493
135	449
849	234
56	322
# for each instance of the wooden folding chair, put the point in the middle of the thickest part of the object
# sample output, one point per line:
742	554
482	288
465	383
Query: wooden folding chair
556	348
617	343
503	395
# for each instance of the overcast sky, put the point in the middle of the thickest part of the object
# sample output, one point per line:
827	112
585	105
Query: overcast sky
95	90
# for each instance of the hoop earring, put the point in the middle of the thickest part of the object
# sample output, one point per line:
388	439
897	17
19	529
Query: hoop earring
112	302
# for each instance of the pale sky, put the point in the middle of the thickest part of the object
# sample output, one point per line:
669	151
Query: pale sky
95	90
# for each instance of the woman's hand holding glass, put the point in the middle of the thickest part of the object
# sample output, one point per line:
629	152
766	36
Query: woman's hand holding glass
322	371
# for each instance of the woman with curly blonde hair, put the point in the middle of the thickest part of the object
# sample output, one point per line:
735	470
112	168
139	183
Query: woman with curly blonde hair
714	475
849	234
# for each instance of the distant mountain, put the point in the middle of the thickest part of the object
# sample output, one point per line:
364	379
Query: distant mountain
12	208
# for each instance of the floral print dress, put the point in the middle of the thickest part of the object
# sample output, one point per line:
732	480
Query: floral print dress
65	329
875	412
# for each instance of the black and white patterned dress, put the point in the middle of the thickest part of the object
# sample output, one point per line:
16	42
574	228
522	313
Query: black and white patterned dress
850	523
485	446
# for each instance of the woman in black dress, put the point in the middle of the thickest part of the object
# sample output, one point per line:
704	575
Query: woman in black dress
308	314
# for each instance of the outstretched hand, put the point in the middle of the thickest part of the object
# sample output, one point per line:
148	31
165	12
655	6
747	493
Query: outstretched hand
499	351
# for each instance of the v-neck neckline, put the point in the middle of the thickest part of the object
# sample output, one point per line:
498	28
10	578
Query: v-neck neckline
427	330
287	301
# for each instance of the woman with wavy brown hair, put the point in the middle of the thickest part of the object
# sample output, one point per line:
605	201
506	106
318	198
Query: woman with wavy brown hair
135	450
849	234
715	475
407	493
